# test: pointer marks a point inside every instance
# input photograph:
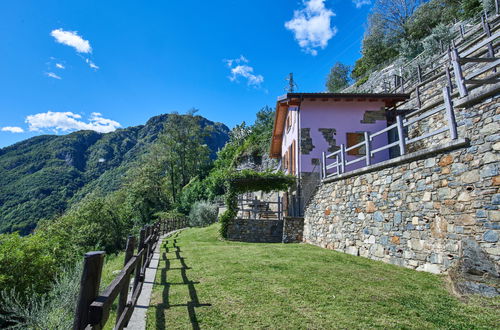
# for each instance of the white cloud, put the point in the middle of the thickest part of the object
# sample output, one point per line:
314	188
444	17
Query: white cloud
361	3
72	39
91	64
12	129
52	75
311	26
69	121
240	69
60	66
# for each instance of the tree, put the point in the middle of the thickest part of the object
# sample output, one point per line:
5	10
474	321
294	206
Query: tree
394	14
429	15
379	46
338	78
182	144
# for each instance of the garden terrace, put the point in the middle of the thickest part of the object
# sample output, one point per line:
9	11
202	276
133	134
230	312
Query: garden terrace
204	282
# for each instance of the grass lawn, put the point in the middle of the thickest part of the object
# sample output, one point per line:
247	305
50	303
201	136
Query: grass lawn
203	282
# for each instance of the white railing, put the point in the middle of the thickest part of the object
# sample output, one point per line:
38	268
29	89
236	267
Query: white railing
339	166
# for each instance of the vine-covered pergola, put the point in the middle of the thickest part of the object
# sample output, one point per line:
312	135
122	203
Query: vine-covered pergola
248	181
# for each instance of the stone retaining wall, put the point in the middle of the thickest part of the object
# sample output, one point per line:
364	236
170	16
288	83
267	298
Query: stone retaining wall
257	231
419	213
293	230
289	230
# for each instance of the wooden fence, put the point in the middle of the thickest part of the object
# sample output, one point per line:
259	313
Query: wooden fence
257	209
341	163
478	46
93	309
414	76
463	36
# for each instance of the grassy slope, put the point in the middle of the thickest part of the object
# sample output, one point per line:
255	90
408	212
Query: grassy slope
112	266
300	286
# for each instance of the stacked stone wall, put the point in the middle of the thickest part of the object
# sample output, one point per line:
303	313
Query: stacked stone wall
419	213
293	230
256	231
289	230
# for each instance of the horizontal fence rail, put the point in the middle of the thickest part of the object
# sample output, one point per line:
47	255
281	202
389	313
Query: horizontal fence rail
419	70
339	166
93	308
476	45
260	209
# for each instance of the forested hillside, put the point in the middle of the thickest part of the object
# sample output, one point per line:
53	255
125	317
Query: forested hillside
42	176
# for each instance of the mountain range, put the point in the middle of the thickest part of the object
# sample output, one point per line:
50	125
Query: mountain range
42	176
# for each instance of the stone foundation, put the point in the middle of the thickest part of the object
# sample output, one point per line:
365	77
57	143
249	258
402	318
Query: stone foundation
289	230
418	212
256	231
293	230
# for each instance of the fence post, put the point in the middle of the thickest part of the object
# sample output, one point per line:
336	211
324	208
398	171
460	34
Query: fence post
146	245
487	32
122	300
338	164
140	262
342	158
89	287
368	150
448	77
417	92
457	69
323	167
149	245
450	114
401	136
402	80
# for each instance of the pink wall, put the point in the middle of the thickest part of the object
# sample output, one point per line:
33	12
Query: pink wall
345	117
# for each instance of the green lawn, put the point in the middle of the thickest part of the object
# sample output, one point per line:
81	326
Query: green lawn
209	283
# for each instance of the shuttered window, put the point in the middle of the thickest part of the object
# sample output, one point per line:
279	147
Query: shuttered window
353	139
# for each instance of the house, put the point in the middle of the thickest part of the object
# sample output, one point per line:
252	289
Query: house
308	124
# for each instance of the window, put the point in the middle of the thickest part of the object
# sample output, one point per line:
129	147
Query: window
288	121
353	139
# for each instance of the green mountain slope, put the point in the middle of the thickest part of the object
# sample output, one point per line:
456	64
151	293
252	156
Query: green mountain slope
40	177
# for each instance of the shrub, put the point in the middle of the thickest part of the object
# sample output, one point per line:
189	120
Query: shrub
440	35
202	214
54	310
93	224
26	263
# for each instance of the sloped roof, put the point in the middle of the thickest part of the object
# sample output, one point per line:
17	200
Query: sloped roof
295	99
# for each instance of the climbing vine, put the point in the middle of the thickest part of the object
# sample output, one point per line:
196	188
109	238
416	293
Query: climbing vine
247	181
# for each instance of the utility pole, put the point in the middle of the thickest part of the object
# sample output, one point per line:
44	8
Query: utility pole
291	84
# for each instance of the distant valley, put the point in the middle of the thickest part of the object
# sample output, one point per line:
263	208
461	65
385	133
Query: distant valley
42	176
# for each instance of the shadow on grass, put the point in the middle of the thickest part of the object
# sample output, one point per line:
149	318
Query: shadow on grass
192	304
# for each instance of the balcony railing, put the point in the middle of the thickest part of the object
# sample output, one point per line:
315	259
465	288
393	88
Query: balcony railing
340	164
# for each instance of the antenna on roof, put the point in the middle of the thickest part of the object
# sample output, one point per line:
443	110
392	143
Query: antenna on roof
291	84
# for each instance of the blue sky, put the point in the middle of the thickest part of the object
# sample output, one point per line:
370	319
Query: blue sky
68	65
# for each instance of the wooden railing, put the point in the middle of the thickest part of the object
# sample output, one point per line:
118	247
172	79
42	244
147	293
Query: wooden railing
340	165
93	308
413	77
462	35
472	55
260	209
477	46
